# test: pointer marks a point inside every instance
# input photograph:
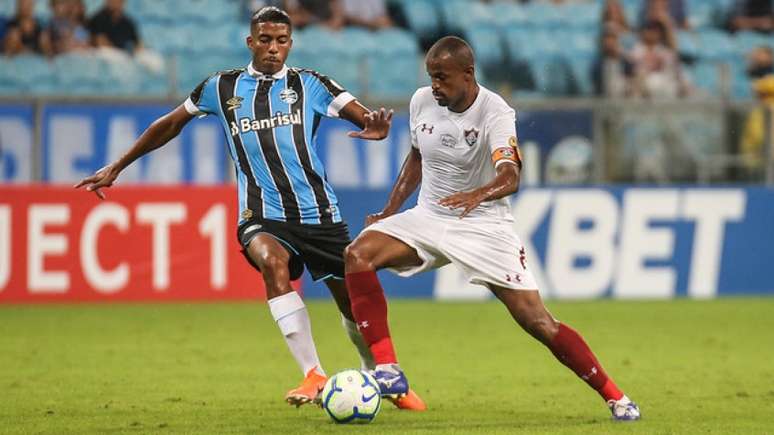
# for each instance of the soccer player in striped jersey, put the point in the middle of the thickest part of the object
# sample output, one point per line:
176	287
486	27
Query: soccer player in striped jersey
289	214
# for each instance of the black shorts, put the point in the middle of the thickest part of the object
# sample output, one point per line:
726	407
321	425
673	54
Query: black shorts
320	246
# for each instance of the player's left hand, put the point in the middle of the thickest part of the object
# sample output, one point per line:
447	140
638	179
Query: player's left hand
376	125
467	201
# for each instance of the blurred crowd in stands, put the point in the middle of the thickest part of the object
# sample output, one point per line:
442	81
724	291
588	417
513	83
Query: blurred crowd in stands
69	29
653	66
657	49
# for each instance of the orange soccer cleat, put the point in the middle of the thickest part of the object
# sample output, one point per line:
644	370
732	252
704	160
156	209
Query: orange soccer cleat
409	401
309	390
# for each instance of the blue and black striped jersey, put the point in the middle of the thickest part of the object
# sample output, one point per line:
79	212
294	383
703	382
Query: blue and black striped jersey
271	123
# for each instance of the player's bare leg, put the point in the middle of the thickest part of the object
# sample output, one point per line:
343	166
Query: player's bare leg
526	307
289	311
370	252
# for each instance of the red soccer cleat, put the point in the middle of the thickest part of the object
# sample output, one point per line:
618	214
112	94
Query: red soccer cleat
409	401
309	390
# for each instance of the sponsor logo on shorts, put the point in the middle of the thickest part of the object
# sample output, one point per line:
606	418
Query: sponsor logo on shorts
516	277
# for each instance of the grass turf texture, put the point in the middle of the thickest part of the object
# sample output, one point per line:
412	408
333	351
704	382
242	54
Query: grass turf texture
694	367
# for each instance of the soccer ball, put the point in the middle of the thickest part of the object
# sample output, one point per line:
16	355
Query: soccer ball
351	396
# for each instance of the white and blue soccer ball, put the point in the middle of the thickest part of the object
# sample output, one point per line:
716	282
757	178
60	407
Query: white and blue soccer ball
351	396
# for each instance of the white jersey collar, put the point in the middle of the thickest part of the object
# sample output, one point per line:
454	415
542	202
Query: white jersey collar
257	74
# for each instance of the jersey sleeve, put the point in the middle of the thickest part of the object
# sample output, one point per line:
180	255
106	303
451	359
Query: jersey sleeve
502	141
203	100
327	97
413	114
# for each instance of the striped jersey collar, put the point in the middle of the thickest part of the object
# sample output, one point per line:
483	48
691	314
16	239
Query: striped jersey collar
257	74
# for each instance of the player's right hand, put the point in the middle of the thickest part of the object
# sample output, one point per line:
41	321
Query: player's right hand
376	217
102	178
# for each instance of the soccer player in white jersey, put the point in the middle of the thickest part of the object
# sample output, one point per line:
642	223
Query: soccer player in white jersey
466	157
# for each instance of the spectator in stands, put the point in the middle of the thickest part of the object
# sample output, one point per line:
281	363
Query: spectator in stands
328	13
111	27
657	71
612	71
753	141
24	34
67	30
673	11
116	38
760	63
757	15
371	14
614	18
658	11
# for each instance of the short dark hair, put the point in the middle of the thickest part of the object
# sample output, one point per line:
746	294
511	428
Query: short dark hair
270	14
456	47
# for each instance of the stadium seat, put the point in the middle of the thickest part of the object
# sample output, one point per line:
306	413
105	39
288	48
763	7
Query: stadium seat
154	10
422	17
81	74
553	76
454	13
506	15
397	78
581	71
162	37
701	13
705	76
395	42
532	44
715	45
487	45
31	73
687	44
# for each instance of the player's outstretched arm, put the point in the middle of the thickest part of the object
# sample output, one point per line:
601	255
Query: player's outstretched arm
375	124
155	136
409	178
505	183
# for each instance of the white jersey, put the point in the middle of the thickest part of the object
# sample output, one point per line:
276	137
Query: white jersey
461	150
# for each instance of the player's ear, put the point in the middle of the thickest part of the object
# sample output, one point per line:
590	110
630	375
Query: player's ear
249	41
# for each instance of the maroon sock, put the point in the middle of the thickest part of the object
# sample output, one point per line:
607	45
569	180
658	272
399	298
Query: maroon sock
370	311
570	349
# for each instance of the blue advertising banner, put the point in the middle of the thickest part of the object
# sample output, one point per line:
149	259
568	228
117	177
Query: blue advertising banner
16	137
652	243
557	146
79	139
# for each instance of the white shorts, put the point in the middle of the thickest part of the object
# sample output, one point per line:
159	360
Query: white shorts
486	250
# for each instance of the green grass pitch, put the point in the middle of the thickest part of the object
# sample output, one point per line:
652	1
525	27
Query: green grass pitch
693	366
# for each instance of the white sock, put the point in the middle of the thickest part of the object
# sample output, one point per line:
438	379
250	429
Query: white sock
366	358
292	318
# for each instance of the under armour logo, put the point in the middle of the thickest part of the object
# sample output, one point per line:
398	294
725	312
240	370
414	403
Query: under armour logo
427	128
523	257
592	373
362	325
